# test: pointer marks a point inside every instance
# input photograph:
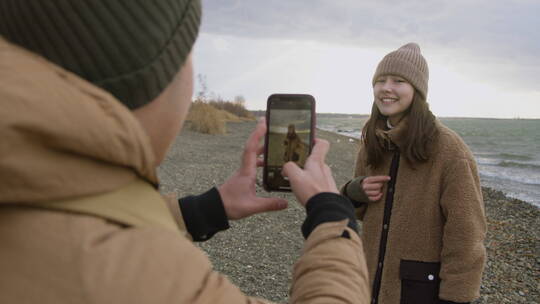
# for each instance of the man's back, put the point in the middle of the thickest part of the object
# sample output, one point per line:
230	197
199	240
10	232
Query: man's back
81	219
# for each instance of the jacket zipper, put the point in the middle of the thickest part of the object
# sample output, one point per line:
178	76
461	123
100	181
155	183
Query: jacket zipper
386	225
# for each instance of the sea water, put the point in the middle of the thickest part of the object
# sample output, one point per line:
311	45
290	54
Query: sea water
507	150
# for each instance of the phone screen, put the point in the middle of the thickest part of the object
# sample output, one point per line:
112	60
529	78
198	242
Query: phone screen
289	137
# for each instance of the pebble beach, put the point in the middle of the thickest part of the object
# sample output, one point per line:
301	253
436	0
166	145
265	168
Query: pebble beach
257	253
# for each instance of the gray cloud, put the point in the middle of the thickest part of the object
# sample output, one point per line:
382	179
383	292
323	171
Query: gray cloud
493	33
499	24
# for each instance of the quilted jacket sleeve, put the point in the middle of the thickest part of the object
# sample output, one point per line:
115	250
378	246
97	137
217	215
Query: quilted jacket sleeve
149	265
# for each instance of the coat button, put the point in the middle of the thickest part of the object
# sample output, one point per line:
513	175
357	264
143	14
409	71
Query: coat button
380	264
385	226
430	277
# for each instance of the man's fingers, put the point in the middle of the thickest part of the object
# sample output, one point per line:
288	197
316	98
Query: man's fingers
264	204
291	170
260	150
330	178
249	157
319	150
328	173
255	137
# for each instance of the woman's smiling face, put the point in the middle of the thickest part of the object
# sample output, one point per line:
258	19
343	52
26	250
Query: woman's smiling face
393	96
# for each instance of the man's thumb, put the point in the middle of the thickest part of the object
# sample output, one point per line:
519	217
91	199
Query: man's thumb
291	170
265	204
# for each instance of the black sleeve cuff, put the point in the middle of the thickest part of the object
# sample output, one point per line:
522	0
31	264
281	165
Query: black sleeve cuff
356	204
204	215
328	207
352	191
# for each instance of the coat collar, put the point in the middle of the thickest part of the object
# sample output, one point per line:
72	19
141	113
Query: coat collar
62	137
390	139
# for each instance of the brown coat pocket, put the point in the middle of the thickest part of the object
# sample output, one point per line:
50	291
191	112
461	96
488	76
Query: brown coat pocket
419	282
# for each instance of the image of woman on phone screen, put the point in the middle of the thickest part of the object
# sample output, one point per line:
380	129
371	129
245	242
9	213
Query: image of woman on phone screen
417	192
294	147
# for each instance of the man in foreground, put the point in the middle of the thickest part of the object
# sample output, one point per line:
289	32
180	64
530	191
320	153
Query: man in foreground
93	94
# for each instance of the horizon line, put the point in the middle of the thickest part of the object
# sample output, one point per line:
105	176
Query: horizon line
438	116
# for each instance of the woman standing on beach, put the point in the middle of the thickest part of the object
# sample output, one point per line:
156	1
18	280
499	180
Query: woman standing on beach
417	192
294	147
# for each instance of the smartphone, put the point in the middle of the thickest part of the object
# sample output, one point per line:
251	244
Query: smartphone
290	121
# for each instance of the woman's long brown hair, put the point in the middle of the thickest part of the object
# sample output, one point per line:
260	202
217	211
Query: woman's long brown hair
420	132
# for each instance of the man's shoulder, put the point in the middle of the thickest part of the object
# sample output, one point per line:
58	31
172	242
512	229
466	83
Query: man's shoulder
138	264
150	265
96	256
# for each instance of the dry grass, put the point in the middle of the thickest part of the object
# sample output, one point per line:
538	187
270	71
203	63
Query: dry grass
206	119
236	108
229	117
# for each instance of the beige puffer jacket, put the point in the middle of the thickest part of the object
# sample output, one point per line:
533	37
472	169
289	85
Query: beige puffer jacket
82	222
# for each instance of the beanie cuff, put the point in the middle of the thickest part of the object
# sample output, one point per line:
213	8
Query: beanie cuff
404	69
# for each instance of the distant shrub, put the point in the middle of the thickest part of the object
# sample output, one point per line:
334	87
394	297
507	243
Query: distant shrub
230	117
205	118
236	107
209	114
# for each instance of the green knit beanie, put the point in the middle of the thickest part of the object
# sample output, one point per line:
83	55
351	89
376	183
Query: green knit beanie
406	62
131	48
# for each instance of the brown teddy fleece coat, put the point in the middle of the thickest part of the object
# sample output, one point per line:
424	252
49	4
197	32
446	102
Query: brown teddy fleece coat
435	227
81	220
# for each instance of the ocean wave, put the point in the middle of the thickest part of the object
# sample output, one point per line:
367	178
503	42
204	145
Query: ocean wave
512	164
527	193
487	161
355	134
527	180
511	156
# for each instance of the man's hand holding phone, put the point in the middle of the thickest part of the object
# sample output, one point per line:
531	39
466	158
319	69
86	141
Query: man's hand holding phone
316	177
291	125
238	191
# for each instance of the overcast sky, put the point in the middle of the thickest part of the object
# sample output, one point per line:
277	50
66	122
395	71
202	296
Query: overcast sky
483	56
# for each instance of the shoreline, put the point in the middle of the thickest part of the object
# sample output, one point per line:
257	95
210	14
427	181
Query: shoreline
489	189
257	253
